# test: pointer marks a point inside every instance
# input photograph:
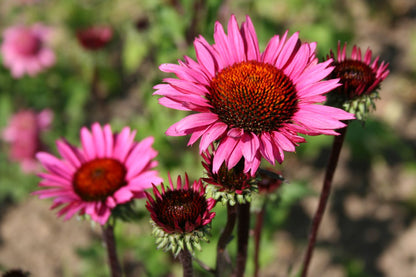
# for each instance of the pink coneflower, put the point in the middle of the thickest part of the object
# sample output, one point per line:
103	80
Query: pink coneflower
95	37
180	212
110	169
24	50
360	78
23	133
253	103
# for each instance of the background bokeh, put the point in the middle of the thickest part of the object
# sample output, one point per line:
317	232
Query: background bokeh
370	226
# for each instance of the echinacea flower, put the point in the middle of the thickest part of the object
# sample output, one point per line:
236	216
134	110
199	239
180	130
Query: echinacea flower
108	170
253	103
228	185
94	37
23	132
181	215
360	79
25	51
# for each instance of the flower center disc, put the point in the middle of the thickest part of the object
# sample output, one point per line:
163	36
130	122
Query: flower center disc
97	179
27	43
354	74
179	207
253	96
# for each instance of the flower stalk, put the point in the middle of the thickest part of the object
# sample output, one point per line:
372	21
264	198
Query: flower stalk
243	227
110	242
257	237
323	200
186	259
223	261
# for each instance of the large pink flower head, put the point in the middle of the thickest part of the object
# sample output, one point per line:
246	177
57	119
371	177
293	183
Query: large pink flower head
108	170
24	135
360	78
253	103
24	50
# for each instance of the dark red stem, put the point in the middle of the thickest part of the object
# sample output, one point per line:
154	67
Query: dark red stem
242	238
326	190
110	242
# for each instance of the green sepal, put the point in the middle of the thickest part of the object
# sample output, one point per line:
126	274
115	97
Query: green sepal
176	242
231	197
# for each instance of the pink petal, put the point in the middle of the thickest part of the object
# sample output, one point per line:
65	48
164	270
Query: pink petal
224	150
211	134
99	142
250	38
190	122
88	144
68	154
235	40
109	141
123	195
250	147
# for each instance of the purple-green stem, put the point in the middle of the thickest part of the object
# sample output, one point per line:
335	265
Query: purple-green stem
257	236
323	200
186	259
110	242
223	266
243	227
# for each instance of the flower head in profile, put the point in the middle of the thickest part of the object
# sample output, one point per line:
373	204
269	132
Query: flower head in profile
228	185
109	169
23	132
181	215
94	37
360	78
253	104
25	51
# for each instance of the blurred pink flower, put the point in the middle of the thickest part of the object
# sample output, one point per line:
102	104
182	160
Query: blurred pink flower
94	37
23	134
24	50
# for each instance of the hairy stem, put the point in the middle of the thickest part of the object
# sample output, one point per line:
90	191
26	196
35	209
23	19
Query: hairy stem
326	190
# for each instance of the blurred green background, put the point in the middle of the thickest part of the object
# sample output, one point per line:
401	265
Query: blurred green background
369	229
